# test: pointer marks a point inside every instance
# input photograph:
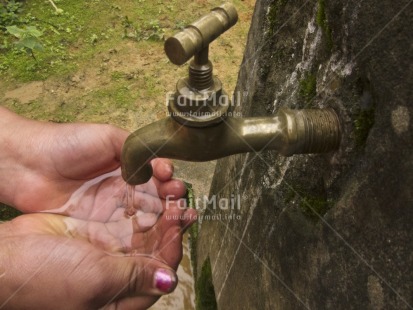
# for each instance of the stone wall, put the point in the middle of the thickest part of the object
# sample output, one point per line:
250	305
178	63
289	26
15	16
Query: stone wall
330	231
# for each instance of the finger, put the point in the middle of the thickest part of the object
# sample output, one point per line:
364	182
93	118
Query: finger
174	189
171	250
189	217
163	169
144	221
147	203
136	276
170	244
153	242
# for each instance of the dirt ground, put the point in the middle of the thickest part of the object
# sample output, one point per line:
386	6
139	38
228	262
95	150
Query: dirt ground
126	85
144	71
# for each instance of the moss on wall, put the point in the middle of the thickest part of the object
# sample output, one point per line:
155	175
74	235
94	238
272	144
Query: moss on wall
308	88
322	22
193	230
363	122
273	15
205	294
204	288
311	204
314	206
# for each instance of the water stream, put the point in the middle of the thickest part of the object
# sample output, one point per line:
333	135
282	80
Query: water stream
107	221
130	200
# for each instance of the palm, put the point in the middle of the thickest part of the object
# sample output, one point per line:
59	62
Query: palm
74	171
54	244
101	253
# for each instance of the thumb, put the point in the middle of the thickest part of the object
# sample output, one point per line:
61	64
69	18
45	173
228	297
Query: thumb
117	137
138	276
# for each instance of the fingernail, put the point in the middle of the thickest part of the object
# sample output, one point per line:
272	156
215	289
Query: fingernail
169	171
165	281
166	166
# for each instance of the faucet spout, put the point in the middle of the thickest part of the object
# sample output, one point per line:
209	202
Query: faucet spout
199	128
288	132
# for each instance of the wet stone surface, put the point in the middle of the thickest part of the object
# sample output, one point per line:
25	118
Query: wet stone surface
330	231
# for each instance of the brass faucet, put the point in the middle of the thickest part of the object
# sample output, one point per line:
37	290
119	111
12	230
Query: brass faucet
201	127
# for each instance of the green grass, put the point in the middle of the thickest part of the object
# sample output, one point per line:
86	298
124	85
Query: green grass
119	95
88	27
60	32
84	29
72	40
83	34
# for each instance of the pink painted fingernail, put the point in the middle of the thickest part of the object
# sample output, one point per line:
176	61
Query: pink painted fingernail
165	281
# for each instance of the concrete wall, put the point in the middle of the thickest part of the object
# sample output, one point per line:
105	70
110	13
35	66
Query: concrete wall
330	231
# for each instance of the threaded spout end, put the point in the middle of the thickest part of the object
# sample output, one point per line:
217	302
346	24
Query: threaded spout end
310	131
319	129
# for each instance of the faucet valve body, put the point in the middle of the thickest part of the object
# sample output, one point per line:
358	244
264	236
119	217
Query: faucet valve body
194	108
199	100
200	128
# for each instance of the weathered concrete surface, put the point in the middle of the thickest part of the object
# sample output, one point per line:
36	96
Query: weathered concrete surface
357	252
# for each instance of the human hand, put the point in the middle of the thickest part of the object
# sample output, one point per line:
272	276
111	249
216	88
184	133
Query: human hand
54	262
71	169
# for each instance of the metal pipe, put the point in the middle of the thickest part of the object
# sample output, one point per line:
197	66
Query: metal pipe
288	132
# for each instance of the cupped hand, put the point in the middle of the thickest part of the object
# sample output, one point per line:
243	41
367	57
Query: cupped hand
73	169
51	261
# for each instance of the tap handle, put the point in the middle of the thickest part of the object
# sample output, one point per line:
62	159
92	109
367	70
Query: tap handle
197	36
